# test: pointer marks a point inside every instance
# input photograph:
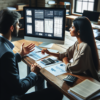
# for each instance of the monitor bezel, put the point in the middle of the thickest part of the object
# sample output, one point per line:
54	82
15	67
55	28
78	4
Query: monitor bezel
87	11
63	34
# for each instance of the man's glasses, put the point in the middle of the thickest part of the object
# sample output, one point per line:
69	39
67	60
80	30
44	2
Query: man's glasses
20	25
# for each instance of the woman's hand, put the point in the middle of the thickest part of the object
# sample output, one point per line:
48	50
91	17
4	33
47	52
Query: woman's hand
65	60
27	49
45	51
35	68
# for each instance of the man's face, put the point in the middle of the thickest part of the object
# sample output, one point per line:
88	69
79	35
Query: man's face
16	29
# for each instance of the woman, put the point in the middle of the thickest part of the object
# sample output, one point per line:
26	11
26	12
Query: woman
83	52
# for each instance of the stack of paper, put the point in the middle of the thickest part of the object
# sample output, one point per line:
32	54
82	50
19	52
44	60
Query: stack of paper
36	54
85	90
57	69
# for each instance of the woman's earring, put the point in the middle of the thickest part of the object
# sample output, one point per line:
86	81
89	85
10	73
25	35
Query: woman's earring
78	32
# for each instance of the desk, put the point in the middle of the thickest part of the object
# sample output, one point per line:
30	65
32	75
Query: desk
72	17
56	81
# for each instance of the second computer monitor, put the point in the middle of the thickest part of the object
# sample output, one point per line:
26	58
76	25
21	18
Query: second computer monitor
44	24
92	15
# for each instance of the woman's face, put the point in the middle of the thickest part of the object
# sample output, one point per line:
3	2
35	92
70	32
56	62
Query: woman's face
73	32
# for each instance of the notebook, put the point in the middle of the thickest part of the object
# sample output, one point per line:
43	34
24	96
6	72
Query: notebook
85	89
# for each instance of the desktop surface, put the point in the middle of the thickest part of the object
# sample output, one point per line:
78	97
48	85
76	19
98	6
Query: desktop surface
56	81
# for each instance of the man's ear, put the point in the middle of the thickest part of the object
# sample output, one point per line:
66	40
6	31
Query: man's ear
11	28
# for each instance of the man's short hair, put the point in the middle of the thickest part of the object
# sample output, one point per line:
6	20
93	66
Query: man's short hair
7	19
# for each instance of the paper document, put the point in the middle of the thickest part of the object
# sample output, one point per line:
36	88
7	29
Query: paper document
43	65
86	89
57	69
78	98
46	45
53	51
37	55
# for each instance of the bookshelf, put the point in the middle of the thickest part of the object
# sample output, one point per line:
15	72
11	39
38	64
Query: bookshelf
66	5
19	7
21	19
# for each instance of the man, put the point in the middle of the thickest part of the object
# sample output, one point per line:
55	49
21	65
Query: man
11	86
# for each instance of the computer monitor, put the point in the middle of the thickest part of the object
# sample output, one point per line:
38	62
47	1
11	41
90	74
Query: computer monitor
44	24
92	15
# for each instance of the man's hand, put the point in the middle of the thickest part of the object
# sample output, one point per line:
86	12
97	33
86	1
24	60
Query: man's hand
35	68
27	49
65	60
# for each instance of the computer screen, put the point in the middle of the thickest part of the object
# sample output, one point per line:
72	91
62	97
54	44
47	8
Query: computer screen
44	24
92	15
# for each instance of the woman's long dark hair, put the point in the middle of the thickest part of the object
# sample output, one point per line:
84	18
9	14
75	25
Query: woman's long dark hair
86	34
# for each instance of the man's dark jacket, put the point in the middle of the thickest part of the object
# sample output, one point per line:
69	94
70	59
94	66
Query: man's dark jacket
10	83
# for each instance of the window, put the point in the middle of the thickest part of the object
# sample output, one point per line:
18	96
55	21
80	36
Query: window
81	5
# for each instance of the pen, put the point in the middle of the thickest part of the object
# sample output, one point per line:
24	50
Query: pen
37	51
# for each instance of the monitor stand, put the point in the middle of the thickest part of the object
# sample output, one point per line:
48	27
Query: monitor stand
46	45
